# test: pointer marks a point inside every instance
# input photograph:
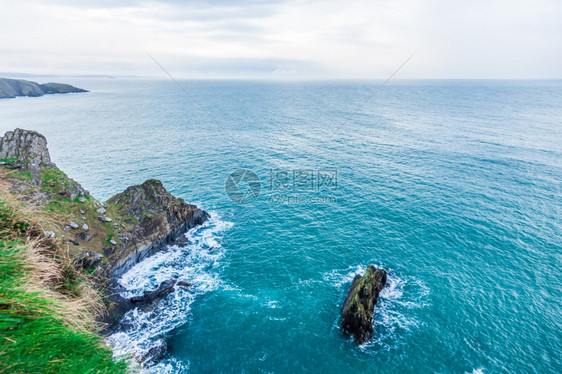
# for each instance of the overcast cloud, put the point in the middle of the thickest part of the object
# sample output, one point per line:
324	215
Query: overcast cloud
284	39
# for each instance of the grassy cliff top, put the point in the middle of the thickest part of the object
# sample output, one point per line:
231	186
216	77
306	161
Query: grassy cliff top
59	250
47	308
84	224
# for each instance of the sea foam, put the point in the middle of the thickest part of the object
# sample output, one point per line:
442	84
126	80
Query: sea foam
198	263
397	309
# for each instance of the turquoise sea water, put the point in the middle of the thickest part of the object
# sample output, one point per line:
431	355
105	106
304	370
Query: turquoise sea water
455	187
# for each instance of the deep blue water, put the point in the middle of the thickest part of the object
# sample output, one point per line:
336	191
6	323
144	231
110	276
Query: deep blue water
455	187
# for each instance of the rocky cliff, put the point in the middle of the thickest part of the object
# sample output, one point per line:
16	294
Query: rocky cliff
10	88
154	217
359	305
104	238
23	148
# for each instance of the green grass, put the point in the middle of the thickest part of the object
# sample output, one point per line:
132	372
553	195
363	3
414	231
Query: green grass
54	179
8	161
33	337
22	174
53	175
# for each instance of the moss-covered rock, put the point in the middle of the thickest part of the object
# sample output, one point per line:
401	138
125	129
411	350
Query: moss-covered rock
359	305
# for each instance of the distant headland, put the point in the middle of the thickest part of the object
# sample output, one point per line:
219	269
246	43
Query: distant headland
10	88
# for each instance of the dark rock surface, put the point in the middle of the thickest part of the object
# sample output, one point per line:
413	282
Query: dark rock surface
162	218
359	305
10	88
181	241
145	302
183	284
149	299
154	354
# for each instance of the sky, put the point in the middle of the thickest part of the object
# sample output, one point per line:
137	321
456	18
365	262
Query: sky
284	39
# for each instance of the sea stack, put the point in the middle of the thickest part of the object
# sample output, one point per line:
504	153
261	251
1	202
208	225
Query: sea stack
359	305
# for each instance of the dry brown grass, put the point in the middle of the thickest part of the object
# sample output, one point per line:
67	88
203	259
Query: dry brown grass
78	308
48	263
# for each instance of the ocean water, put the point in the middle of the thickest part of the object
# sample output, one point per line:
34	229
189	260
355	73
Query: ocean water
455	187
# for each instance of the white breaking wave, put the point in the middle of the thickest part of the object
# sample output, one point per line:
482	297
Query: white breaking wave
197	263
476	371
396	310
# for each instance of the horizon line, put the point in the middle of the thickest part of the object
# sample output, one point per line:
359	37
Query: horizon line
19	75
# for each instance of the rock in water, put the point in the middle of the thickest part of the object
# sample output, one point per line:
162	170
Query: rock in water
359	305
154	354
150	299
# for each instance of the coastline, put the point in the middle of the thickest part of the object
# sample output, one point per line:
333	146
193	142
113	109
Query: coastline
101	240
11	88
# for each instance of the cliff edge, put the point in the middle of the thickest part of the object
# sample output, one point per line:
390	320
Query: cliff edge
104	238
154	217
74	247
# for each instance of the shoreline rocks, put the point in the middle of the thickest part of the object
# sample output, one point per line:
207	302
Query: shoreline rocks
156	219
358	308
149	299
160	218
106	239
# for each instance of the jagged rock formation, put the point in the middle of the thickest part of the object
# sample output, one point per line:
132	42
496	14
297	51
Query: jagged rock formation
27	151
104	239
359	305
161	218
109	237
24	148
10	88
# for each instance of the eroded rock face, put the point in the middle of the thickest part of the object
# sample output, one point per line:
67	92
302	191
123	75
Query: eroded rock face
106	239
153	217
359	305
25	148
159	217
